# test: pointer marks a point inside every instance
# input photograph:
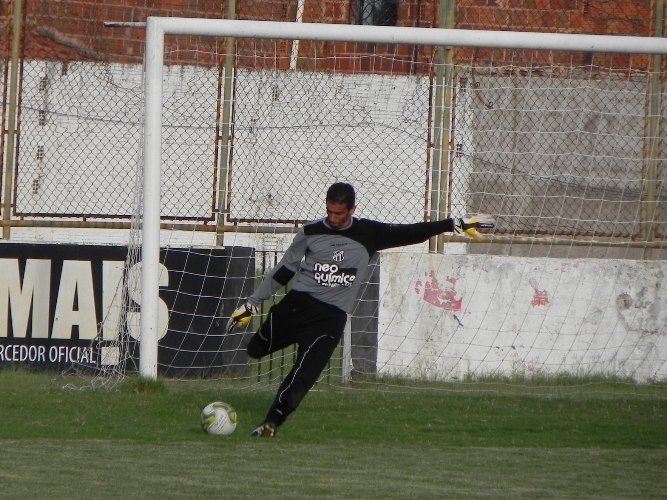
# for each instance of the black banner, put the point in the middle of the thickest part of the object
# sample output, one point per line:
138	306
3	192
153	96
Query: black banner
62	304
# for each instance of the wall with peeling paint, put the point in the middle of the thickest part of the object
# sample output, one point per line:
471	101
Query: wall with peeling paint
449	316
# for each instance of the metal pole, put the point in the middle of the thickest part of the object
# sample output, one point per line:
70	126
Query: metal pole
294	55
150	231
11	121
346	362
437	142
225	129
412	36
437	130
653	113
446	76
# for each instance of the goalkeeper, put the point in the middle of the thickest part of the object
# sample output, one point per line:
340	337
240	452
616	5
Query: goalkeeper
327	263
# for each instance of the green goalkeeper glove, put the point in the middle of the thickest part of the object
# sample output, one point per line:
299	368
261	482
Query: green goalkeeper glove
242	316
470	225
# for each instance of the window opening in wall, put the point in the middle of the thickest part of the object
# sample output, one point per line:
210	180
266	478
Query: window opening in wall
376	12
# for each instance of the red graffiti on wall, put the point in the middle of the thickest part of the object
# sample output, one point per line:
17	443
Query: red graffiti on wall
540	297
434	293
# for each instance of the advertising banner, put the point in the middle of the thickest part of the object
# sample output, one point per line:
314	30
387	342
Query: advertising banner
65	304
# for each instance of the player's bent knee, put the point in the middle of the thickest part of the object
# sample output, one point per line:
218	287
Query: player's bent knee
254	351
256	348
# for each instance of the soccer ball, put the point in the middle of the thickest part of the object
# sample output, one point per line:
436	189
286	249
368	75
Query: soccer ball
218	419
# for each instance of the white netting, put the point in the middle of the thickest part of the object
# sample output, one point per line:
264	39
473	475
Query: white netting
570	283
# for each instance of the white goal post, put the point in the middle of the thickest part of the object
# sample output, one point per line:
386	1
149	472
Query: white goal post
158	27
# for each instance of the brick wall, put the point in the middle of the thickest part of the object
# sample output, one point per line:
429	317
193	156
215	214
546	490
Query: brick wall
631	17
598	17
73	29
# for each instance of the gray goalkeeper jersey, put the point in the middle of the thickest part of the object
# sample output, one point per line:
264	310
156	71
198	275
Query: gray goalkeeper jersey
331	264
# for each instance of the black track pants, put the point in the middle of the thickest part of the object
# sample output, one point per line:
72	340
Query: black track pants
316	328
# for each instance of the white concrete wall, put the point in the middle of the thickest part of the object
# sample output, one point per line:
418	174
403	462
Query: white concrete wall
541	157
84	155
448	316
296	133
80	149
473	315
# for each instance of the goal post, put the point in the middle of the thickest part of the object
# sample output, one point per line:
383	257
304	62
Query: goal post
158	27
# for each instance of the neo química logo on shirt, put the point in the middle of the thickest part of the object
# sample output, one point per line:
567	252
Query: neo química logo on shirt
332	275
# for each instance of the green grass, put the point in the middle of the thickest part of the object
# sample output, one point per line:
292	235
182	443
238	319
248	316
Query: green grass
143	441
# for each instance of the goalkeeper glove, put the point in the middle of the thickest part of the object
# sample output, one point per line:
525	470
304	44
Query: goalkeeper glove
241	316
470	225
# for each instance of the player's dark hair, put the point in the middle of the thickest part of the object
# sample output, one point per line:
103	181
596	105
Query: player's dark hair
341	192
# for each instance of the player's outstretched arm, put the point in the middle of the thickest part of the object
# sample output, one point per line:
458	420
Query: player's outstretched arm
241	316
394	235
469	225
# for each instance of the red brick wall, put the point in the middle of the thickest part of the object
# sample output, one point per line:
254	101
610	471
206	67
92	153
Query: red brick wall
73	29
599	17
628	17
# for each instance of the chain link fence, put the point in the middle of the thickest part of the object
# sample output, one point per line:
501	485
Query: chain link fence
554	144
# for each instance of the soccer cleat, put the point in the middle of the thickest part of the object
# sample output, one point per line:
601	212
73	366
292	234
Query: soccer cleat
265	430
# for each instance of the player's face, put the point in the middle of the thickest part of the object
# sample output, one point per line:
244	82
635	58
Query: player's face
339	215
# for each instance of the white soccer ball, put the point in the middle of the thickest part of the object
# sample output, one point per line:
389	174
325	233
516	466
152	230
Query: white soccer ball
218	418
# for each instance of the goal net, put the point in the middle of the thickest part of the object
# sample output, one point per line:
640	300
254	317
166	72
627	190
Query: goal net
560	137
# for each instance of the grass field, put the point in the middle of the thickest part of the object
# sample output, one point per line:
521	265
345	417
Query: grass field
144	441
